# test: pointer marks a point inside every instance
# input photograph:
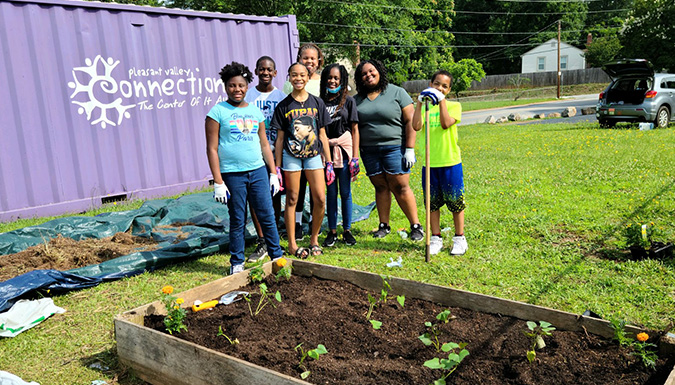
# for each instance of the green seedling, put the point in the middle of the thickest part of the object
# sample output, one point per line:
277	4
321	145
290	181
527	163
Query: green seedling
284	272
376	324
448	365
385	289
620	333
265	298
641	349
257	274
536	333
230	340
431	336
401	300
372	303
314	353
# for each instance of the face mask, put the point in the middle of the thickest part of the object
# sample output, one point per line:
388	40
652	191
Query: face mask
334	90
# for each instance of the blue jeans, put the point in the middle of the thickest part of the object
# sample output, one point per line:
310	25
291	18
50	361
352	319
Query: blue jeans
343	180
252	187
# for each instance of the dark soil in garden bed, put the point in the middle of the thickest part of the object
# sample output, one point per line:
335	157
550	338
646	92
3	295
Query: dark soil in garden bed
315	311
63	253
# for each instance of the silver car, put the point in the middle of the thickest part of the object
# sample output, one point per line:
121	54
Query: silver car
636	94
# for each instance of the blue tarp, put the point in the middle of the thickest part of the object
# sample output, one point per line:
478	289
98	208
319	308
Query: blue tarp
186	228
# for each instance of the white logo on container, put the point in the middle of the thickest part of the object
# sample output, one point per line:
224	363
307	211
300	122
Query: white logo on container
99	82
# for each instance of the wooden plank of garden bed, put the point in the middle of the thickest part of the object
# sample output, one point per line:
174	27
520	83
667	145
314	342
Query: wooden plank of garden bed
460	298
163	359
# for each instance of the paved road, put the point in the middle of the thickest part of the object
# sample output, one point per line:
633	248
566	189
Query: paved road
578	101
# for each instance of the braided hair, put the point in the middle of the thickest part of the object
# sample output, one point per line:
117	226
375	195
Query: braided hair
344	79
235	69
313	46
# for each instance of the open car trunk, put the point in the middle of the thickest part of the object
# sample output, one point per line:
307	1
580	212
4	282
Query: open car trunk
629	91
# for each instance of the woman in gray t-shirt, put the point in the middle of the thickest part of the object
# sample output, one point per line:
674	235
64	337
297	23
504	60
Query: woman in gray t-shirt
387	143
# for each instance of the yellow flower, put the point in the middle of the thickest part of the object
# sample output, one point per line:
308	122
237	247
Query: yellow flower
642	337
180	301
281	262
167	289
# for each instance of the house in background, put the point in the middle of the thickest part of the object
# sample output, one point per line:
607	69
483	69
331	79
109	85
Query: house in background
544	58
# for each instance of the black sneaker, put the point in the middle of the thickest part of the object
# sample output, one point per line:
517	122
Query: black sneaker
330	239
382	231
298	231
348	238
416	232
260	251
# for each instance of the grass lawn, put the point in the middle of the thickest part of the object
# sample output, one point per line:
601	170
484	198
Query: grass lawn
547	205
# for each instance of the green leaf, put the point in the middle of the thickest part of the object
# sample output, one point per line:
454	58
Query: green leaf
427	324
440	381
304	375
376	324
277	296
463	354
448	346
531	355
312	353
401	300
425	339
531	325
321	349
433	363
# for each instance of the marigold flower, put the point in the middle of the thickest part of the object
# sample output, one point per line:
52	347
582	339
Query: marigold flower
167	289
642	337
281	262
180	301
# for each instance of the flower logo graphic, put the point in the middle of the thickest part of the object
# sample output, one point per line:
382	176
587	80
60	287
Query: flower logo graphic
98	83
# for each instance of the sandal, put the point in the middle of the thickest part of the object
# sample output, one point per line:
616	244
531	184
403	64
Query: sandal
315	250
301	253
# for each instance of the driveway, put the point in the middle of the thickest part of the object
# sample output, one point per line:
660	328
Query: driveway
578	101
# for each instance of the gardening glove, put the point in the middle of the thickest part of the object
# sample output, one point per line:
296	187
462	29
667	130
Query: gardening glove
354	168
330	173
221	193
435	96
409	158
280	176
275	185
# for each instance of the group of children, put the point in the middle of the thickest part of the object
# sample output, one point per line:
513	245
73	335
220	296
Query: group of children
310	132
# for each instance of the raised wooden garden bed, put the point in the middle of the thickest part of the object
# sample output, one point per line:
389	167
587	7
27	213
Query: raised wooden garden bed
160	358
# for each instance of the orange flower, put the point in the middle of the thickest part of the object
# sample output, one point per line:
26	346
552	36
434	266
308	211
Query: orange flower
167	289
642	337
180	301
281	262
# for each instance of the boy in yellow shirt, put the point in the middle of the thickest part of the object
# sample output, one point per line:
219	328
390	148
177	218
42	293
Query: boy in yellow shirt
446	177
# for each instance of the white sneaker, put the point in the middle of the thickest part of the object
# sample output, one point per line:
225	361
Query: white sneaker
435	244
234	269
459	245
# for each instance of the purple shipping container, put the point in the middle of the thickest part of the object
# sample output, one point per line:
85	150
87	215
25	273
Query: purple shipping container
101	101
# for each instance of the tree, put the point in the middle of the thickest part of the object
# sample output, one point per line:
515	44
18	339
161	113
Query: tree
602	50
650	33
463	73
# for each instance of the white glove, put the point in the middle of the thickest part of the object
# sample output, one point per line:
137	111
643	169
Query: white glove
435	96
221	193
275	186
409	158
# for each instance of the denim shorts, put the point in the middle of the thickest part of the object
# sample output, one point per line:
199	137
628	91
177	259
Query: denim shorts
446	187
379	159
291	163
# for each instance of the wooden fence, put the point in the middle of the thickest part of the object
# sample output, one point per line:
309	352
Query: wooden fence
537	79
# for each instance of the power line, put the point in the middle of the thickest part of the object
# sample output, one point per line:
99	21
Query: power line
421	46
439	31
549	1
504	49
466	12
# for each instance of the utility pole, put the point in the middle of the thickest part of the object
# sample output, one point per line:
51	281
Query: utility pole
559	60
